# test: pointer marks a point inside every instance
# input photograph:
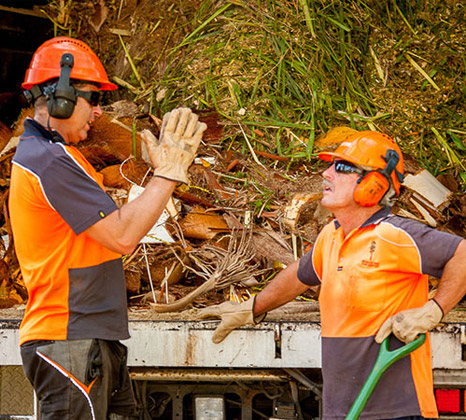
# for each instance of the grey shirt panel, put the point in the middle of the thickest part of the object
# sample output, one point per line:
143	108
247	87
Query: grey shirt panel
98	302
306	271
74	194
436	248
347	364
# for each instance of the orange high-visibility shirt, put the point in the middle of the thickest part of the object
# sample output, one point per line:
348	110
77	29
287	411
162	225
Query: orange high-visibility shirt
76	286
371	274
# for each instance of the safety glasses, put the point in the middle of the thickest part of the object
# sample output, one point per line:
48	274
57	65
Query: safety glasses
344	167
93	97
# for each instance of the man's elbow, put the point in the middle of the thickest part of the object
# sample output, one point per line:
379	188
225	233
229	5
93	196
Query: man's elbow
123	247
461	248
113	241
459	257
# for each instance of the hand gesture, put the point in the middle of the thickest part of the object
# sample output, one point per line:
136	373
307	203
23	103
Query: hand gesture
233	315
180	136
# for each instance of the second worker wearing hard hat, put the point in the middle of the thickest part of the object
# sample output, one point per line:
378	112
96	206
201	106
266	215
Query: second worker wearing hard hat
373	270
69	235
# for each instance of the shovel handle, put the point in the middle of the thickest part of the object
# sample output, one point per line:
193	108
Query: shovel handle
384	360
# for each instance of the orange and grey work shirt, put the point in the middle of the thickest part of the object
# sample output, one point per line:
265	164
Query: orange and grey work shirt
371	274
76	286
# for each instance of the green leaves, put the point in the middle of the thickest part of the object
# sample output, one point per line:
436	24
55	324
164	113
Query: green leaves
297	69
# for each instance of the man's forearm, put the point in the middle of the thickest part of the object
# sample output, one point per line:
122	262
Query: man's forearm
123	229
452	286
282	289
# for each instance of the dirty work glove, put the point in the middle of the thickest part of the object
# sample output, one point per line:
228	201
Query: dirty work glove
180	136
408	324
233	315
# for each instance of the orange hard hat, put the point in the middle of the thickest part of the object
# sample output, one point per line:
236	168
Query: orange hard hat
45	63
368	149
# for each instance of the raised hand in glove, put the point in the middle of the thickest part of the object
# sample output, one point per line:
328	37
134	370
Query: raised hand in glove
407	325
180	136
233	315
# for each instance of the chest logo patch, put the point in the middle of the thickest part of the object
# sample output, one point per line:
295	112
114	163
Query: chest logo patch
370	262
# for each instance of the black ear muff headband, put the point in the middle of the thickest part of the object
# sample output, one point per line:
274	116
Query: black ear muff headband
392	158
61	98
32	94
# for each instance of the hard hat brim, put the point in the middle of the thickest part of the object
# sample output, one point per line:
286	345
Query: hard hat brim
331	156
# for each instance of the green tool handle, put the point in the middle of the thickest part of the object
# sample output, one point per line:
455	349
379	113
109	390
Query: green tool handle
384	360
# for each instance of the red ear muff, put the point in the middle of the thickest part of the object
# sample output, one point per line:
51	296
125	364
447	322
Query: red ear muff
370	189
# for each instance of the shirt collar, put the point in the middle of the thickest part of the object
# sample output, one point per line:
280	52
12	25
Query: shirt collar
32	128
378	217
374	219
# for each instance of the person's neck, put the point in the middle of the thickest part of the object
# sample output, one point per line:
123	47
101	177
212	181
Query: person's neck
351	219
41	116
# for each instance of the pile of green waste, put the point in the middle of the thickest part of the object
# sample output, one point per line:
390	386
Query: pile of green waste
286	71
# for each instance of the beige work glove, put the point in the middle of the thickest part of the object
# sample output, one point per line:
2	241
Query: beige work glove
180	136
407	325
233	315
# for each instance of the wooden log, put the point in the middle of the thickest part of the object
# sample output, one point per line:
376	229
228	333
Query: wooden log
5	135
19	125
110	142
271	246
123	175
200	224
296	205
429	190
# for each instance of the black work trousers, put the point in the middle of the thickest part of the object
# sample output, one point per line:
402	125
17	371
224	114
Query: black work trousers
79	379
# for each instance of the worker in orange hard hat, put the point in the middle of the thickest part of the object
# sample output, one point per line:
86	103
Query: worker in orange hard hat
70	236
63	70
47	64
372	268
379	156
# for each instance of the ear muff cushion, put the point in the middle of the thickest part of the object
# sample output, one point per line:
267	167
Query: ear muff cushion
61	108
371	189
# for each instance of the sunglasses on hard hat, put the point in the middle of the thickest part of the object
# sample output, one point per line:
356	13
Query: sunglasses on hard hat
344	167
92	96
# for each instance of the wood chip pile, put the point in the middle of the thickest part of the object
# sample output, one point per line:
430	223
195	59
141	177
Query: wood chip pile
275	82
226	234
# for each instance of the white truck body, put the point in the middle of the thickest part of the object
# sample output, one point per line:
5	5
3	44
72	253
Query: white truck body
168	353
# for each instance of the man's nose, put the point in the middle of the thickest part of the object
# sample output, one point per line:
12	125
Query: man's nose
329	172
